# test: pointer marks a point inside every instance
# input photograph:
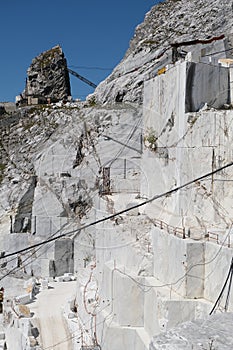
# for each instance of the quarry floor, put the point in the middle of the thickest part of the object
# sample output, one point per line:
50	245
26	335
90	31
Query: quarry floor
48	315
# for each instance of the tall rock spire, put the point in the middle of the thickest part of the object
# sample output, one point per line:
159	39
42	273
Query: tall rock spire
48	77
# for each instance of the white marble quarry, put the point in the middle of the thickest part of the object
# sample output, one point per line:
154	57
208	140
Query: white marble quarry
145	280
180	284
160	302
60	184
155	308
135	280
112	245
187	145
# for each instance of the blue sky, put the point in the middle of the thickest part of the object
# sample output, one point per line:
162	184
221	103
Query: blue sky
92	34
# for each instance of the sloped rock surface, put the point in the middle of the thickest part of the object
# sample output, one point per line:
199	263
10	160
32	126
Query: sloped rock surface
22	134
23	218
48	76
212	333
179	20
168	22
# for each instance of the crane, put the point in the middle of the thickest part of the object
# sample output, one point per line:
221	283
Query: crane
81	78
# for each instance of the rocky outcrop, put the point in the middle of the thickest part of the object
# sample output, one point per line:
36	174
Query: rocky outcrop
22	134
212	333
7	108
168	22
48	77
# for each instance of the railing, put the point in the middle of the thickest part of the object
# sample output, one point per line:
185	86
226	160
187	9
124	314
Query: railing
183	233
213	236
176	231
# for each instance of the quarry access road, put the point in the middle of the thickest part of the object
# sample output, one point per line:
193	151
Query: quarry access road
48	317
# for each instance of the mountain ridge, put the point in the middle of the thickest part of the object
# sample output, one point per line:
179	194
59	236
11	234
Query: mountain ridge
167	22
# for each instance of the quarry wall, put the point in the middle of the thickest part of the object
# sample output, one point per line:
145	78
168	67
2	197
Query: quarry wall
178	277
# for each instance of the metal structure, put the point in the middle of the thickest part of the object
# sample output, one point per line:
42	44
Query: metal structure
85	80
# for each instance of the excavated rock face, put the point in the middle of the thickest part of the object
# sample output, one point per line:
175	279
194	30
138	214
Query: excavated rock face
48	76
166	23
213	333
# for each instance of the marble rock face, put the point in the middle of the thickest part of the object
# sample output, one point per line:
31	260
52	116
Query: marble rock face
212	333
166	23
48	77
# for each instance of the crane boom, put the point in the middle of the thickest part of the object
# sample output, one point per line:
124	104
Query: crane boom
81	78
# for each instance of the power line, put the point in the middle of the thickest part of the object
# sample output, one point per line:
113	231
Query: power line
73	336
164	194
92	68
149	286
77	337
33	253
124	144
229	277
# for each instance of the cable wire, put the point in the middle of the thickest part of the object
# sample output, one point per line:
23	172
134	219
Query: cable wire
149	286
229	276
92	68
164	194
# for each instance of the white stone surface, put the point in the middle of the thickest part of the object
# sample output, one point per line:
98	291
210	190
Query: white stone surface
216	269
188	146
49	318
141	285
215	332
17	334
179	263
23	299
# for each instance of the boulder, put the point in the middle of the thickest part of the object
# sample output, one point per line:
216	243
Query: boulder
23	311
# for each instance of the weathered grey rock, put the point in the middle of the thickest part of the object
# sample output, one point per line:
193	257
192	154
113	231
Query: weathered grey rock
7	107
23	217
64	257
213	333
48	77
168	22
2	110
